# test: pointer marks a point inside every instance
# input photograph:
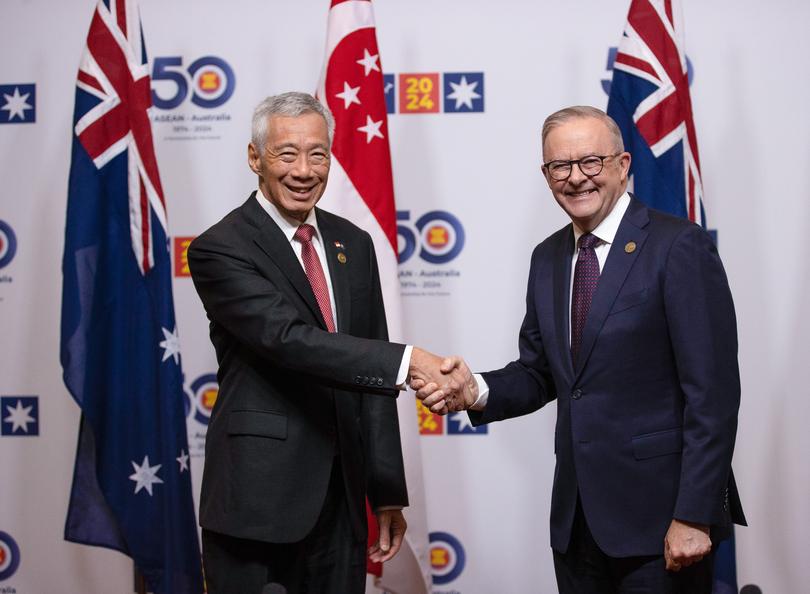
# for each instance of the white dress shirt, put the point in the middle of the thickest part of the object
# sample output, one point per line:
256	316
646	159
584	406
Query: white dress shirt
289	226
606	232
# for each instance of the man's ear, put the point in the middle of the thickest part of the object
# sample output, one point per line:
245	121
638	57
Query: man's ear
624	161
254	158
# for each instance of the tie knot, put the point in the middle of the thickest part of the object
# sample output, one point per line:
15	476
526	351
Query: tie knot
304	233
588	241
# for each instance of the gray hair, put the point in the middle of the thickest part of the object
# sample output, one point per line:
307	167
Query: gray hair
290	105
558	118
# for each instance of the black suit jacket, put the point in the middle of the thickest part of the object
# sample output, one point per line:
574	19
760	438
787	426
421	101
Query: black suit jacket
646	421
291	394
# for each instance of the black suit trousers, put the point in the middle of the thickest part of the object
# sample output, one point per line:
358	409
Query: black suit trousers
585	569
328	560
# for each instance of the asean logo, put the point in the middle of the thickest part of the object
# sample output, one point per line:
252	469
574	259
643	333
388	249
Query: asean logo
447	557
210	78
9	556
8	244
181	244
201	396
438	235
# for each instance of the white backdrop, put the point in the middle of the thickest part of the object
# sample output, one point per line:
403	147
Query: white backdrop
488	495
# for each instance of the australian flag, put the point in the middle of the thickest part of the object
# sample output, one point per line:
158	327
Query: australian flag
119	348
650	101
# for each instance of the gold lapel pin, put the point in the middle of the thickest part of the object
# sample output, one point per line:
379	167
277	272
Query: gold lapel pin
341	258
630	247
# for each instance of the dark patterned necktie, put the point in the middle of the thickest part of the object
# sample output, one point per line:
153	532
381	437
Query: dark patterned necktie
312	266
586	276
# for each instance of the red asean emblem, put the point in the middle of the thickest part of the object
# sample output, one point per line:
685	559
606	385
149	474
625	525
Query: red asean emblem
209	81
437	236
181	268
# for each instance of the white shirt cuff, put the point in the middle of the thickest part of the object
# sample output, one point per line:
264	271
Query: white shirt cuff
483	393
402	374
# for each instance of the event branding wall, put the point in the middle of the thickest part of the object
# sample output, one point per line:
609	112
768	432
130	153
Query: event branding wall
468	83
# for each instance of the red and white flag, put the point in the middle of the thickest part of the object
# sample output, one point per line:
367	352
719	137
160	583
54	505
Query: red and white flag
361	189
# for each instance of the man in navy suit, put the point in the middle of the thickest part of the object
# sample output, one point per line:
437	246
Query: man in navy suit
630	326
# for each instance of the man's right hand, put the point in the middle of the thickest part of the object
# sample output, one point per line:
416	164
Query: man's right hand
455	389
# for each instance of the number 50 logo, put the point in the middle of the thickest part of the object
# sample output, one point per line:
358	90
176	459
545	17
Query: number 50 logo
211	78
438	235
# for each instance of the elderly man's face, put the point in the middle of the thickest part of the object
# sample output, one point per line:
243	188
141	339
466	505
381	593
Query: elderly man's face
587	200
294	164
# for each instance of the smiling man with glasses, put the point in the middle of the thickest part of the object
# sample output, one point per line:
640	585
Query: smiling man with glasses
630	327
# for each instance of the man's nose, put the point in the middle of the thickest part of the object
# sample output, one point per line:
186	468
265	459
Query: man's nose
302	166
576	177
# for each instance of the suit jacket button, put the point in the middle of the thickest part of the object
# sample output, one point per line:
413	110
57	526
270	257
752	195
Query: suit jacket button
379	381
576	394
365	380
358	380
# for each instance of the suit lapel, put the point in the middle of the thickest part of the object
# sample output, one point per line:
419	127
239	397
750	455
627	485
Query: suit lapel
336	259
275	245
619	262
562	284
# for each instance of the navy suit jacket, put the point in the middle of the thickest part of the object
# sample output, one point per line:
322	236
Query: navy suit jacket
292	396
646	421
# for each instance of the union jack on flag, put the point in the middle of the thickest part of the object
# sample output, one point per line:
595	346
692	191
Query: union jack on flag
649	99
120	352
114	69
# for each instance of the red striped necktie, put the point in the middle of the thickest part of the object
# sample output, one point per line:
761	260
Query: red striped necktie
314	270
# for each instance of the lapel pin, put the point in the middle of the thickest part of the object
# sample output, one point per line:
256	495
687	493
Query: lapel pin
630	247
340	246
341	258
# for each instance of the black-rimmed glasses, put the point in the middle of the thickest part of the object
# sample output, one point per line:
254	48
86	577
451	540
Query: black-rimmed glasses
589	165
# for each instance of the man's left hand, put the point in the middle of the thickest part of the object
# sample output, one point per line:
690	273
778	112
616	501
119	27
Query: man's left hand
685	543
392	530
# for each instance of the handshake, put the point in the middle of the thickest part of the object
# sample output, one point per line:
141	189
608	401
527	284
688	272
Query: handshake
444	385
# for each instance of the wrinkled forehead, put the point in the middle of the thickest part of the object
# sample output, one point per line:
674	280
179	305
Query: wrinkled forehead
578	137
306	129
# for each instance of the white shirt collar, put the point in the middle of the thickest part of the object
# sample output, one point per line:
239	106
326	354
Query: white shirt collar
606	230
287	225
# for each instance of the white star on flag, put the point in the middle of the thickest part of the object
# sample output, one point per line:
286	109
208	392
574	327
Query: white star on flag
372	129
16	104
464	93
19	417
170	346
183	460
463	420
349	95
369	62
145	476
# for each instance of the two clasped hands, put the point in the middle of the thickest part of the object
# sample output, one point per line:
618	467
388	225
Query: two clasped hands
444	385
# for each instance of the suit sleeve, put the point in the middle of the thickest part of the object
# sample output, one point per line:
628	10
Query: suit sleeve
249	306
524	385
703	330
385	468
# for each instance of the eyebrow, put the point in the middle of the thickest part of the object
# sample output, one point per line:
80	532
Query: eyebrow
295	146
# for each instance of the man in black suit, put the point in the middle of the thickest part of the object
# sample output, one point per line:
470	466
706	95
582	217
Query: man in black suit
630	326
305	425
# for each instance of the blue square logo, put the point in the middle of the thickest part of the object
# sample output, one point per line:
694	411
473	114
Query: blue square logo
19	415
463	92
459	424
390	89
18	104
